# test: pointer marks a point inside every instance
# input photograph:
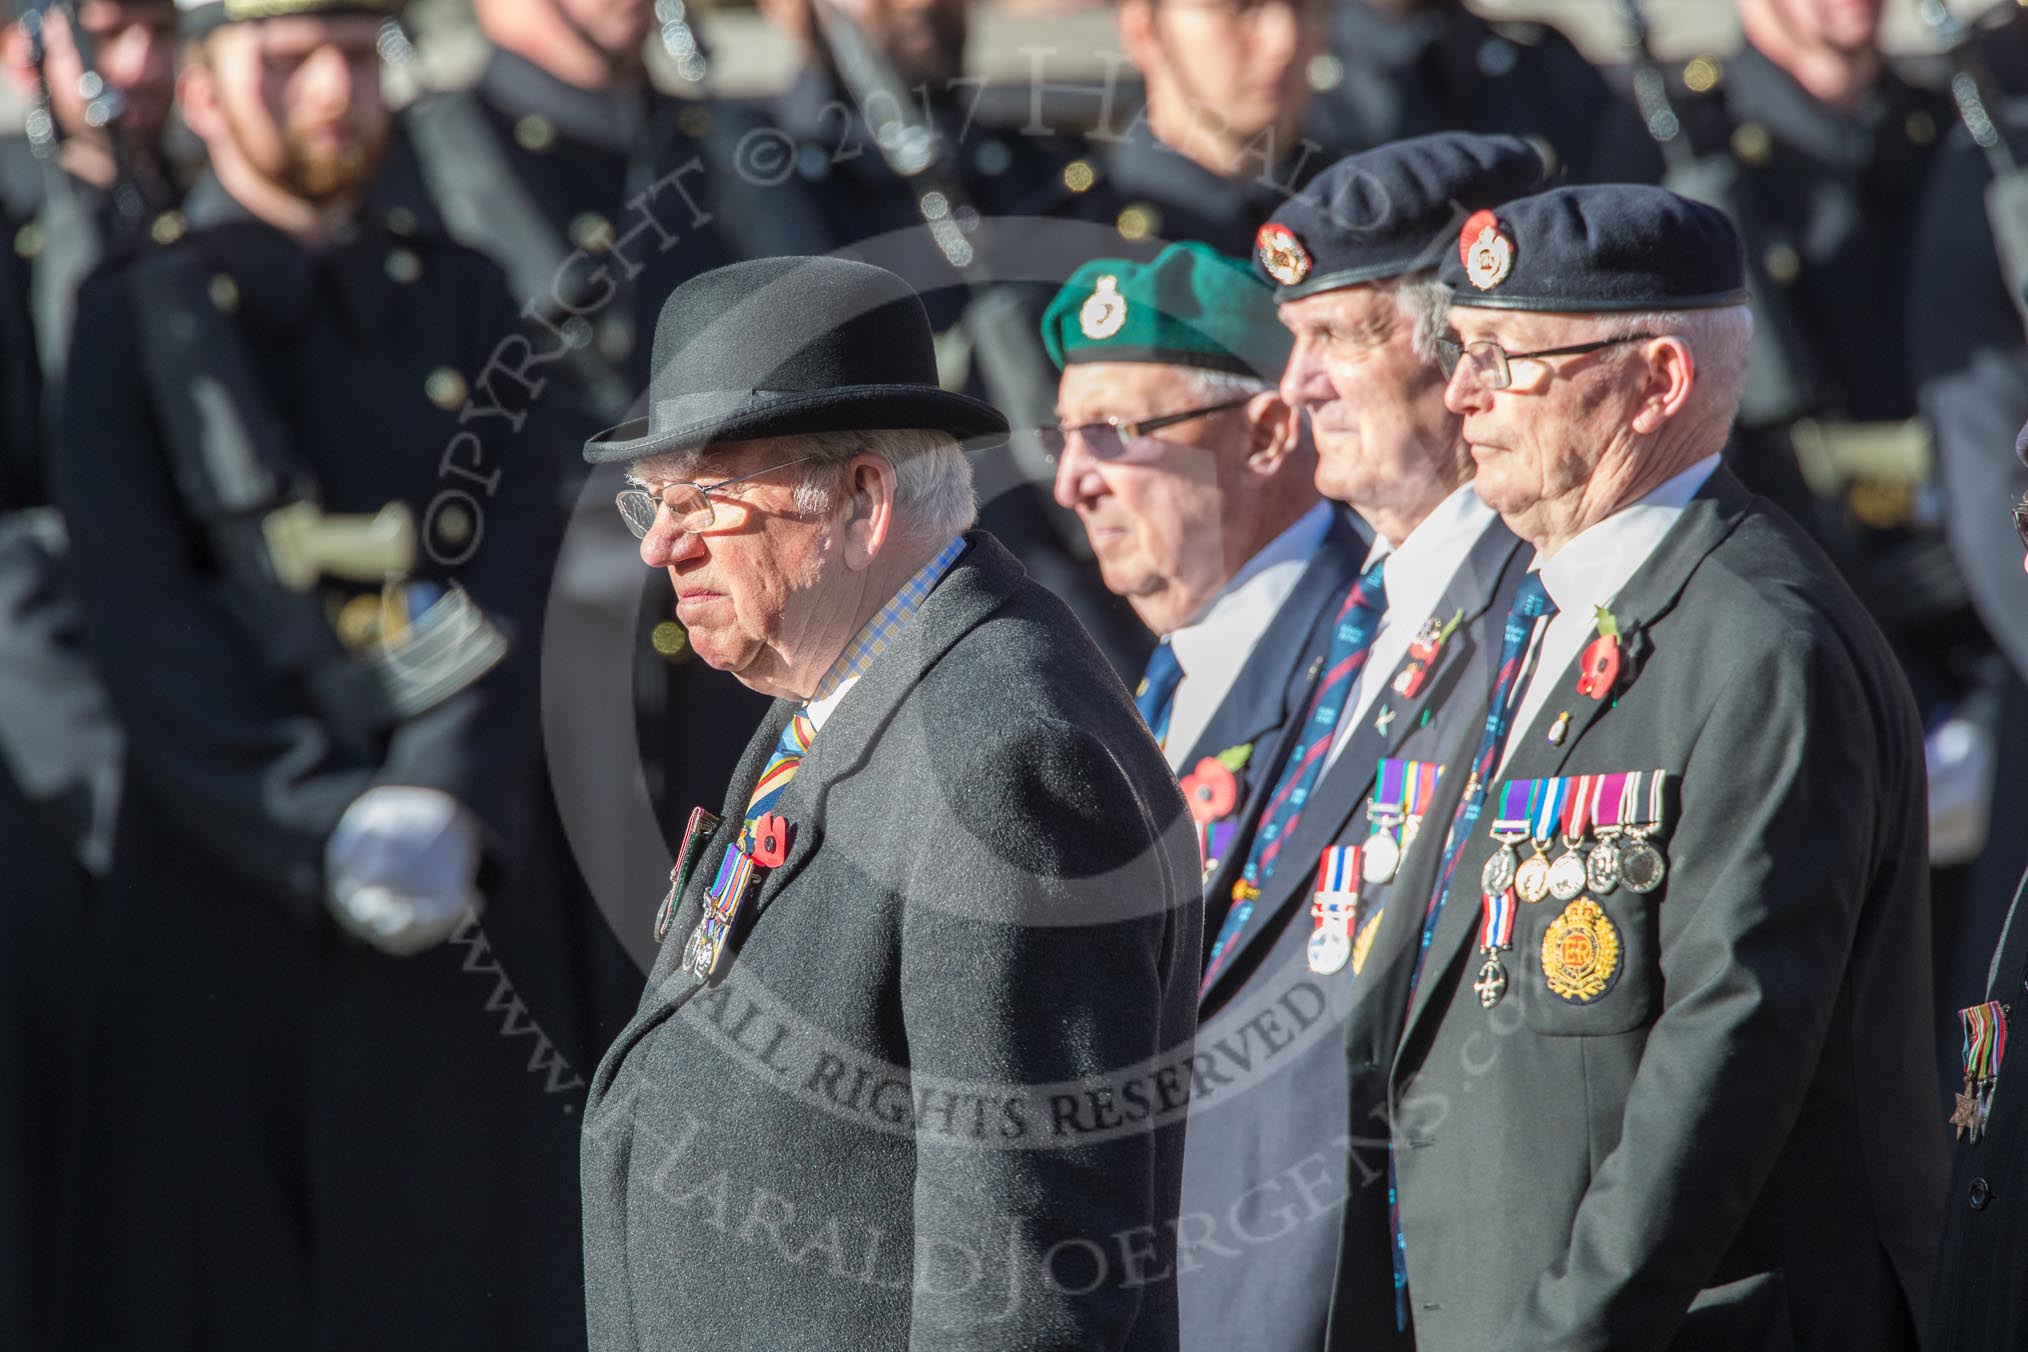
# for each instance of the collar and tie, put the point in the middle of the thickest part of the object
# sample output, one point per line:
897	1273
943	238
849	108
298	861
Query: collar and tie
1351	642
1156	695
1531	603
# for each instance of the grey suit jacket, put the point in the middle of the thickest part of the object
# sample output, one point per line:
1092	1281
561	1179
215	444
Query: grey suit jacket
1734	1145
932	1097
1278	1159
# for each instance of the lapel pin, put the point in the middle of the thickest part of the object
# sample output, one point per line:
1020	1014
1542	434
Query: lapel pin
771	835
1383	720
1560	728
1601	660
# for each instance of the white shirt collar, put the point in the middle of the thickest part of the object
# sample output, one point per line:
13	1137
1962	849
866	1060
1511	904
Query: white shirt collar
1590	570
1213	648
1419	572
1422	566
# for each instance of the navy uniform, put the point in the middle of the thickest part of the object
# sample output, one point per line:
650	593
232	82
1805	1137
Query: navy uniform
1149	193
286	1137
1825	197
598	203
59	744
1292	992
1440	67
1969	355
1683	1097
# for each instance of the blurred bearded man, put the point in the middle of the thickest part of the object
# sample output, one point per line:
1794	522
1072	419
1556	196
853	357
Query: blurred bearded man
315	594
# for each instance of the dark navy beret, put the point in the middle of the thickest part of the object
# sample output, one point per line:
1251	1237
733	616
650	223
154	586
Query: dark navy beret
1392	211
1598	248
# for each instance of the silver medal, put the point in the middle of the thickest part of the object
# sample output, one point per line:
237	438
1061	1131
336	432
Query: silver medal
1330	950
1602	867
1566	877
1498	874
1641	866
1492	982
1531	880
1381	857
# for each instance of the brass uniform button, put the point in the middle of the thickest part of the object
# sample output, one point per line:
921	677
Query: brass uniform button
224	293
401	221
28	240
1702	75
1139	221
535	133
591	232
1752	144
614	339
454	524
1078	175
403	265
694	120
167	228
445	388
1921	127
1783	263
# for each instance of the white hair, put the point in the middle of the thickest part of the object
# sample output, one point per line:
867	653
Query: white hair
1424	302
1720	342
1205	386
933	494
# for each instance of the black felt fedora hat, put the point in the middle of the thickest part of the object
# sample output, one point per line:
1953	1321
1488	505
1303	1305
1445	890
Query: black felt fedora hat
783	346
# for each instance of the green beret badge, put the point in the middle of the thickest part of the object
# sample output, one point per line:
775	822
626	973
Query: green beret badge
1104	311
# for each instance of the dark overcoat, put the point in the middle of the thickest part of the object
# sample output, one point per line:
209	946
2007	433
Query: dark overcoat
932	1097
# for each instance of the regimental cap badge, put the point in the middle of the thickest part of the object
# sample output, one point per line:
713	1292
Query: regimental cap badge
1282	254
1485	250
1104	311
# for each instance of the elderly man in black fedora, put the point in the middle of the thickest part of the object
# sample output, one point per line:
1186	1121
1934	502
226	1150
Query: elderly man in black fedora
911	1064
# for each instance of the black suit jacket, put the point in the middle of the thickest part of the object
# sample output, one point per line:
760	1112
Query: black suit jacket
1275	1146
922	1103
1733	1146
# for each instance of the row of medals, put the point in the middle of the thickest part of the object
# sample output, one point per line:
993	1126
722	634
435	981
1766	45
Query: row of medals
1379	860
1615	860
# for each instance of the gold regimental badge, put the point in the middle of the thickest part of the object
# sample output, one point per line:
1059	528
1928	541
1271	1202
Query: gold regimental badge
1104	310
1581	953
1363	945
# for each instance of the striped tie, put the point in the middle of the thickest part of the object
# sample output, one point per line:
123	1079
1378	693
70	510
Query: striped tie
782	767
1530	604
1358	621
1157	693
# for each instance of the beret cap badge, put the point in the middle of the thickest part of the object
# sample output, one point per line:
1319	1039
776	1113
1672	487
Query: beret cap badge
1282	254
1487	253
1104	312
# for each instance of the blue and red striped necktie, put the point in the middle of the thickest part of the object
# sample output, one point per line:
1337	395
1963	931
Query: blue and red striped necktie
1358	622
1531	603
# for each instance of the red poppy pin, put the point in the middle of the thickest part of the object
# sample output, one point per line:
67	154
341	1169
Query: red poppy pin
771	836
1211	790
1600	665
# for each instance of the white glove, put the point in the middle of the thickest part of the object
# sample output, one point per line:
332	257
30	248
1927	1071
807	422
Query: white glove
402	868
